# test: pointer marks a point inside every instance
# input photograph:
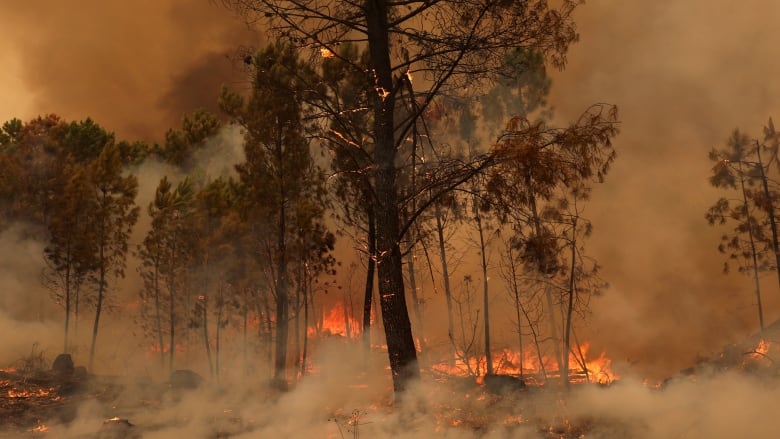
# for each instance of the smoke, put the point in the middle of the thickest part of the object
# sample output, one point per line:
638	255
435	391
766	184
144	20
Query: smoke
683	74
135	67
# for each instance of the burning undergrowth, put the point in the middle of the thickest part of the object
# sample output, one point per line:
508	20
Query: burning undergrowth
350	394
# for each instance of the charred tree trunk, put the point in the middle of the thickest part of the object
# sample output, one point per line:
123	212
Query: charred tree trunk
770	208
416	301
395	315
369	288
282	301
98	306
518	305
158	312
753	252
569	306
305	348
67	299
205	318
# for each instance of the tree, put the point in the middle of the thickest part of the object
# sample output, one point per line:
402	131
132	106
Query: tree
523	193
753	243
278	174
455	46
165	255
113	214
181	143
70	253
349	138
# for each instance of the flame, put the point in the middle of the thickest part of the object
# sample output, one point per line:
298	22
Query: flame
335	322
29	393
326	53
40	429
759	353
762	349
529	364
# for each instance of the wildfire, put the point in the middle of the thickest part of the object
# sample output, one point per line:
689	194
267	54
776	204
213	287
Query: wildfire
326	53
336	322
33	393
761	350
529	364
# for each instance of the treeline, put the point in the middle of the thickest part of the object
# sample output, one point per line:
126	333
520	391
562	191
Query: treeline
746	169
248	252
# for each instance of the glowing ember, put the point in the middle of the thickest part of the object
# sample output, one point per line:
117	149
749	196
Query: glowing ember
40	429
29	393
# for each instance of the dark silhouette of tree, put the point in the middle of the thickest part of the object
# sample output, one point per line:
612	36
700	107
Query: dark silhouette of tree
753	244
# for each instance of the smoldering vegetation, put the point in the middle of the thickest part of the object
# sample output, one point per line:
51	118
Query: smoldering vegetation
681	83
354	398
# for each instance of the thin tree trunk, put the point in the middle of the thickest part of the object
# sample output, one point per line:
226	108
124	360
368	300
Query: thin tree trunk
245	342
569	306
770	212
485	295
206	335
544	267
445	277
218	332
516	293
369	287
282	301
753	252
535	336
67	299
158	312
171	326
415	298
98	309
305	349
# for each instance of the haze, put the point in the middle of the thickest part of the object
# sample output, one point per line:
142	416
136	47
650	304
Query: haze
683	74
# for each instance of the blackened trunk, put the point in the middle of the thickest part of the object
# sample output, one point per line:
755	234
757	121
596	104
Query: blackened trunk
282	301
569	306
770	207
98	309
68	268
753	252
395	315
369	289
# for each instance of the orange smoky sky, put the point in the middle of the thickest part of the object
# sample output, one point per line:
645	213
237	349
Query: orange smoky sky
683	74
135	67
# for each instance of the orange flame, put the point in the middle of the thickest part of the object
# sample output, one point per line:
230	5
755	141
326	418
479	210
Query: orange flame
528	363
336	322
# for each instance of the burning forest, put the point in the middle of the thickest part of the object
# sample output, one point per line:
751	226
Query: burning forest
387	219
